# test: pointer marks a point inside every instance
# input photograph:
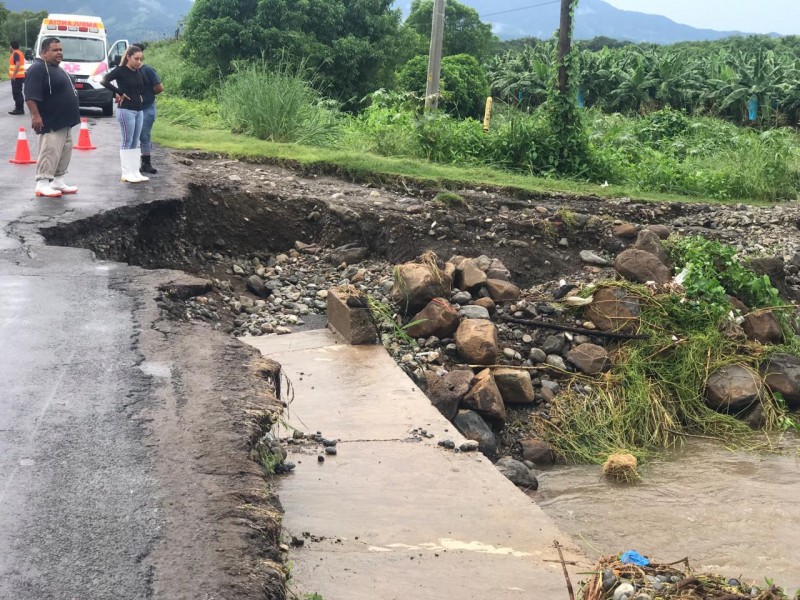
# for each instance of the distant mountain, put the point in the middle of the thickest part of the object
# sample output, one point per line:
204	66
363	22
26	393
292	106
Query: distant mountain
156	19
132	19
593	18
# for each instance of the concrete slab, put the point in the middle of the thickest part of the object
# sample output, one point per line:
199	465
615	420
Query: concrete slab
392	513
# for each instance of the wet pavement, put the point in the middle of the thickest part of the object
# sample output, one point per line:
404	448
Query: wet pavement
77	509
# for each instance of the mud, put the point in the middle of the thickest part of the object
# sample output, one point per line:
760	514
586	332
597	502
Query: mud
214	401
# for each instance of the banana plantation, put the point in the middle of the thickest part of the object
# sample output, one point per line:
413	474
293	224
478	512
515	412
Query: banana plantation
753	80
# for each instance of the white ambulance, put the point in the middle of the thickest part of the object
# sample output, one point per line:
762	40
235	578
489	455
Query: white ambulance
87	56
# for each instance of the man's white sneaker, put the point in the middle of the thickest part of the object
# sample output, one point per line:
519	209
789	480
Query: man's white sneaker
43	188
58	184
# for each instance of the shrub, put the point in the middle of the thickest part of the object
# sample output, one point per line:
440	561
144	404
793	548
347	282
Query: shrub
447	140
278	104
463	86
180	77
519	142
387	126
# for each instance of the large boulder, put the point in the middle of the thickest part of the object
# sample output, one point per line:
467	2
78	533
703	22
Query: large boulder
517	473
438	318
416	284
782	375
485	399
348	254
486	303
497	270
468	276
733	389
477	342
641	266
589	358
473	427
256	285
763	327
537	451
613	309
515	386
650	242
502	291
662	231
626	231
474	311
446	392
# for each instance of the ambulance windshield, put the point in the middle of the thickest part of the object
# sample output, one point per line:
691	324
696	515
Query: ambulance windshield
82	49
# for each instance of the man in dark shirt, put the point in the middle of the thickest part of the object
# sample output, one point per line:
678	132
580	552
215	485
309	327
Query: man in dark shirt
53	103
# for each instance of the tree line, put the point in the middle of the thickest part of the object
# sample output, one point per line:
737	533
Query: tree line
19	26
354	46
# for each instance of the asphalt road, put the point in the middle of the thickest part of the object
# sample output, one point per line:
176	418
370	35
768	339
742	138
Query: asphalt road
76	493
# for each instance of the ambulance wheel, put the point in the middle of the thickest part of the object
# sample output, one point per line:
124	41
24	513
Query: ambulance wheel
108	109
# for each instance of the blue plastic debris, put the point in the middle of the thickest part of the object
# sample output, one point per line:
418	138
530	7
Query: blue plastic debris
632	557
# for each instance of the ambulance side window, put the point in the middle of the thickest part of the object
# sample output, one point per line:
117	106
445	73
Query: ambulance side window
117	50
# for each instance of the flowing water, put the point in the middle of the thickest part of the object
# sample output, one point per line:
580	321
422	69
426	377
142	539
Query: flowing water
732	513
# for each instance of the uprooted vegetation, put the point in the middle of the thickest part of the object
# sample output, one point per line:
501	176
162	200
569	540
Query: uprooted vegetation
680	375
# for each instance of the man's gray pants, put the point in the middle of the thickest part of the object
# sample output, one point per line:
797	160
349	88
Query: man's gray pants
55	152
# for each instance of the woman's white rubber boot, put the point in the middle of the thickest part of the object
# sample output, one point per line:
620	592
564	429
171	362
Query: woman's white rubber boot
129	161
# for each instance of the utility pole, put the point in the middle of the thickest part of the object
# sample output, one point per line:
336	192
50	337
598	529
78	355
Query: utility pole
435	56
564	45
25	28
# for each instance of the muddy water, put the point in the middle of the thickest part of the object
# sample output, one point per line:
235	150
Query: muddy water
731	513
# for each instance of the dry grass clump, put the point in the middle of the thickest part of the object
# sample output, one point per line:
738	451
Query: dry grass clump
621	467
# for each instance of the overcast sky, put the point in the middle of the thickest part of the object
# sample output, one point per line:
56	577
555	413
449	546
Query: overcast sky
752	16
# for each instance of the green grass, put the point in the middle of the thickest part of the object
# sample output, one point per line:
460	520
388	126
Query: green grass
665	155
278	103
364	167
654	395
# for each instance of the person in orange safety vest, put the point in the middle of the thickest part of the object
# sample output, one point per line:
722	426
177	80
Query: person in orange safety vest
16	73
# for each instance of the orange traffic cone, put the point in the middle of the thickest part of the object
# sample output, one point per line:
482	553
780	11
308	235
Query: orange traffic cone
84	143
23	154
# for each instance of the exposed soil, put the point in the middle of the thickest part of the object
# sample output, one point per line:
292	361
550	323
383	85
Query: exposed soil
215	401
237	209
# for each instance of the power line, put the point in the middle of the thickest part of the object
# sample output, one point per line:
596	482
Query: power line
502	12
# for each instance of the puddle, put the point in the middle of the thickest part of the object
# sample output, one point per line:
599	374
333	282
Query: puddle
156	369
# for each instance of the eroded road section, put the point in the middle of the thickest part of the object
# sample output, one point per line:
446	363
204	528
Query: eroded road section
124	465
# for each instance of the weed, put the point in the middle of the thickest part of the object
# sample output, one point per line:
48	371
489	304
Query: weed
388	319
567	217
270	461
278	103
654	395
449	200
547	230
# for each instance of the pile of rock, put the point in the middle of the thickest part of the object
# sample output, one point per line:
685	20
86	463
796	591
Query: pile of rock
469	341
475	366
